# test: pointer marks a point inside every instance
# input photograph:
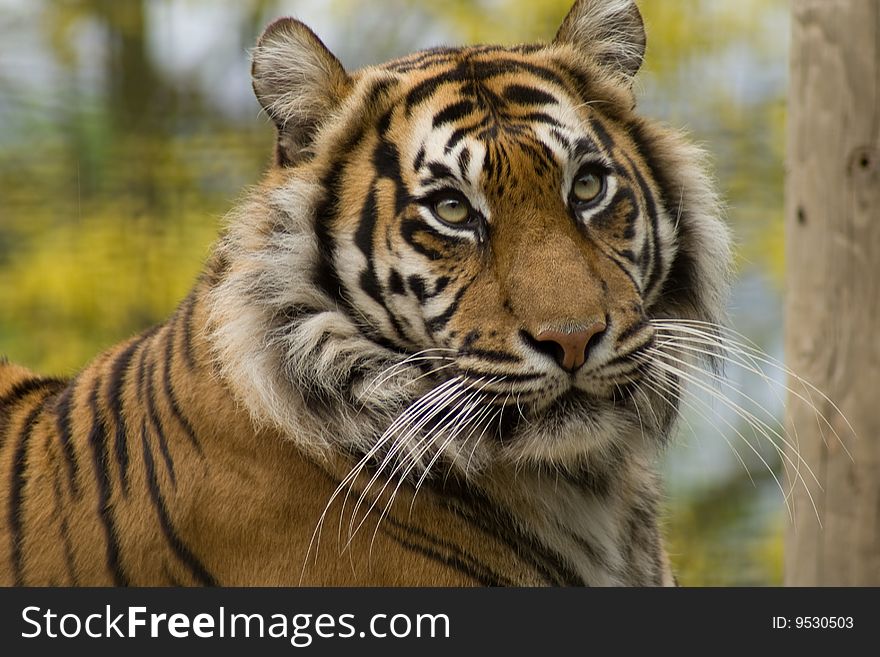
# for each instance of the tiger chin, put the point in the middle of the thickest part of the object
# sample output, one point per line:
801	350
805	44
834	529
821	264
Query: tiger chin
418	355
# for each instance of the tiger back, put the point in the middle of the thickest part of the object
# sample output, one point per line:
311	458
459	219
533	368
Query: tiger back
420	354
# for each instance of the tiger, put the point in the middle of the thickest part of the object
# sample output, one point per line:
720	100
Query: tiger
419	352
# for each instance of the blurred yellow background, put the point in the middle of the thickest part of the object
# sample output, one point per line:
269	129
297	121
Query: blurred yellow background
128	129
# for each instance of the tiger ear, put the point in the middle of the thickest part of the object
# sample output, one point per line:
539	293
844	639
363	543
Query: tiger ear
610	31
298	82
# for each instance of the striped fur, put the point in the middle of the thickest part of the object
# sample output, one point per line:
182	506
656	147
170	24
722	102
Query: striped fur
353	393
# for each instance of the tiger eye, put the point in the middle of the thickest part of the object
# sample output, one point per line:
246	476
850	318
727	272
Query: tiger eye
587	188
452	210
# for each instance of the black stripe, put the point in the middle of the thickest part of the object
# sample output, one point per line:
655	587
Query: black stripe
596	478
631	330
583	146
542	157
483	576
491	161
523	95
115	397
363	237
98	438
417	285
563	141
386	159
653	216
639	527
597	555
379	89
509	377
421	91
114	402
62	417
171	397
469	340
439	322
368	280
453	556
478	509
484	571
602	134
458	134
485	70
23	388
439	285
409	228
16	492
423	58
325	276
65	529
18	392
629	231
627	255
420	159
539	117
628	357
383	125
622	267
395	283
186	320
453	112
441	171
582	84
493	355
183	553
146	393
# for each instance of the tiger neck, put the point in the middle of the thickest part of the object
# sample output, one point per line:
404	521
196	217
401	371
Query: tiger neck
603	523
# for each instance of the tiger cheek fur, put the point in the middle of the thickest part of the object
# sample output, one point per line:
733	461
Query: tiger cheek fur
428	324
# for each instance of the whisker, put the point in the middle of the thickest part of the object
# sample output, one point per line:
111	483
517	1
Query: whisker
753	422
661	392
751	348
414	454
386	374
434	408
352	475
688	342
685	344
423	445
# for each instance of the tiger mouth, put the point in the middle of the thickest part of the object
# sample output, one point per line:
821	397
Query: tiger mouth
503	416
538	392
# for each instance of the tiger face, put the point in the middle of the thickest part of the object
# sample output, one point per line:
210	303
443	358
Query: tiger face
502	229
487	232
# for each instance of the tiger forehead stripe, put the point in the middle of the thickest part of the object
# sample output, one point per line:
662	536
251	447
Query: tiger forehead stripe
471	71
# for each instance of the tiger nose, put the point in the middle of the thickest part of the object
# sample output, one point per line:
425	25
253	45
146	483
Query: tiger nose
569	348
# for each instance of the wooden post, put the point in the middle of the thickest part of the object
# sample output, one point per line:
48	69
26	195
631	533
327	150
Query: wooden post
833	288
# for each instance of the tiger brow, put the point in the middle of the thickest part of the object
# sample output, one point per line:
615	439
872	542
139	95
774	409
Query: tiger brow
585	146
439	173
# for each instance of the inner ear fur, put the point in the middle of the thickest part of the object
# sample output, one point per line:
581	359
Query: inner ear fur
609	31
298	83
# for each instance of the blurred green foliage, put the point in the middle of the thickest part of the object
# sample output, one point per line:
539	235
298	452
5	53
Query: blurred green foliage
120	150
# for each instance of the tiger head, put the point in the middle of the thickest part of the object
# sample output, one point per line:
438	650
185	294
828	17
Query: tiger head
458	254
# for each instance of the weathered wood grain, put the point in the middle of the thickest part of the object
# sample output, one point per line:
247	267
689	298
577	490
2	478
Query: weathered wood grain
833	287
